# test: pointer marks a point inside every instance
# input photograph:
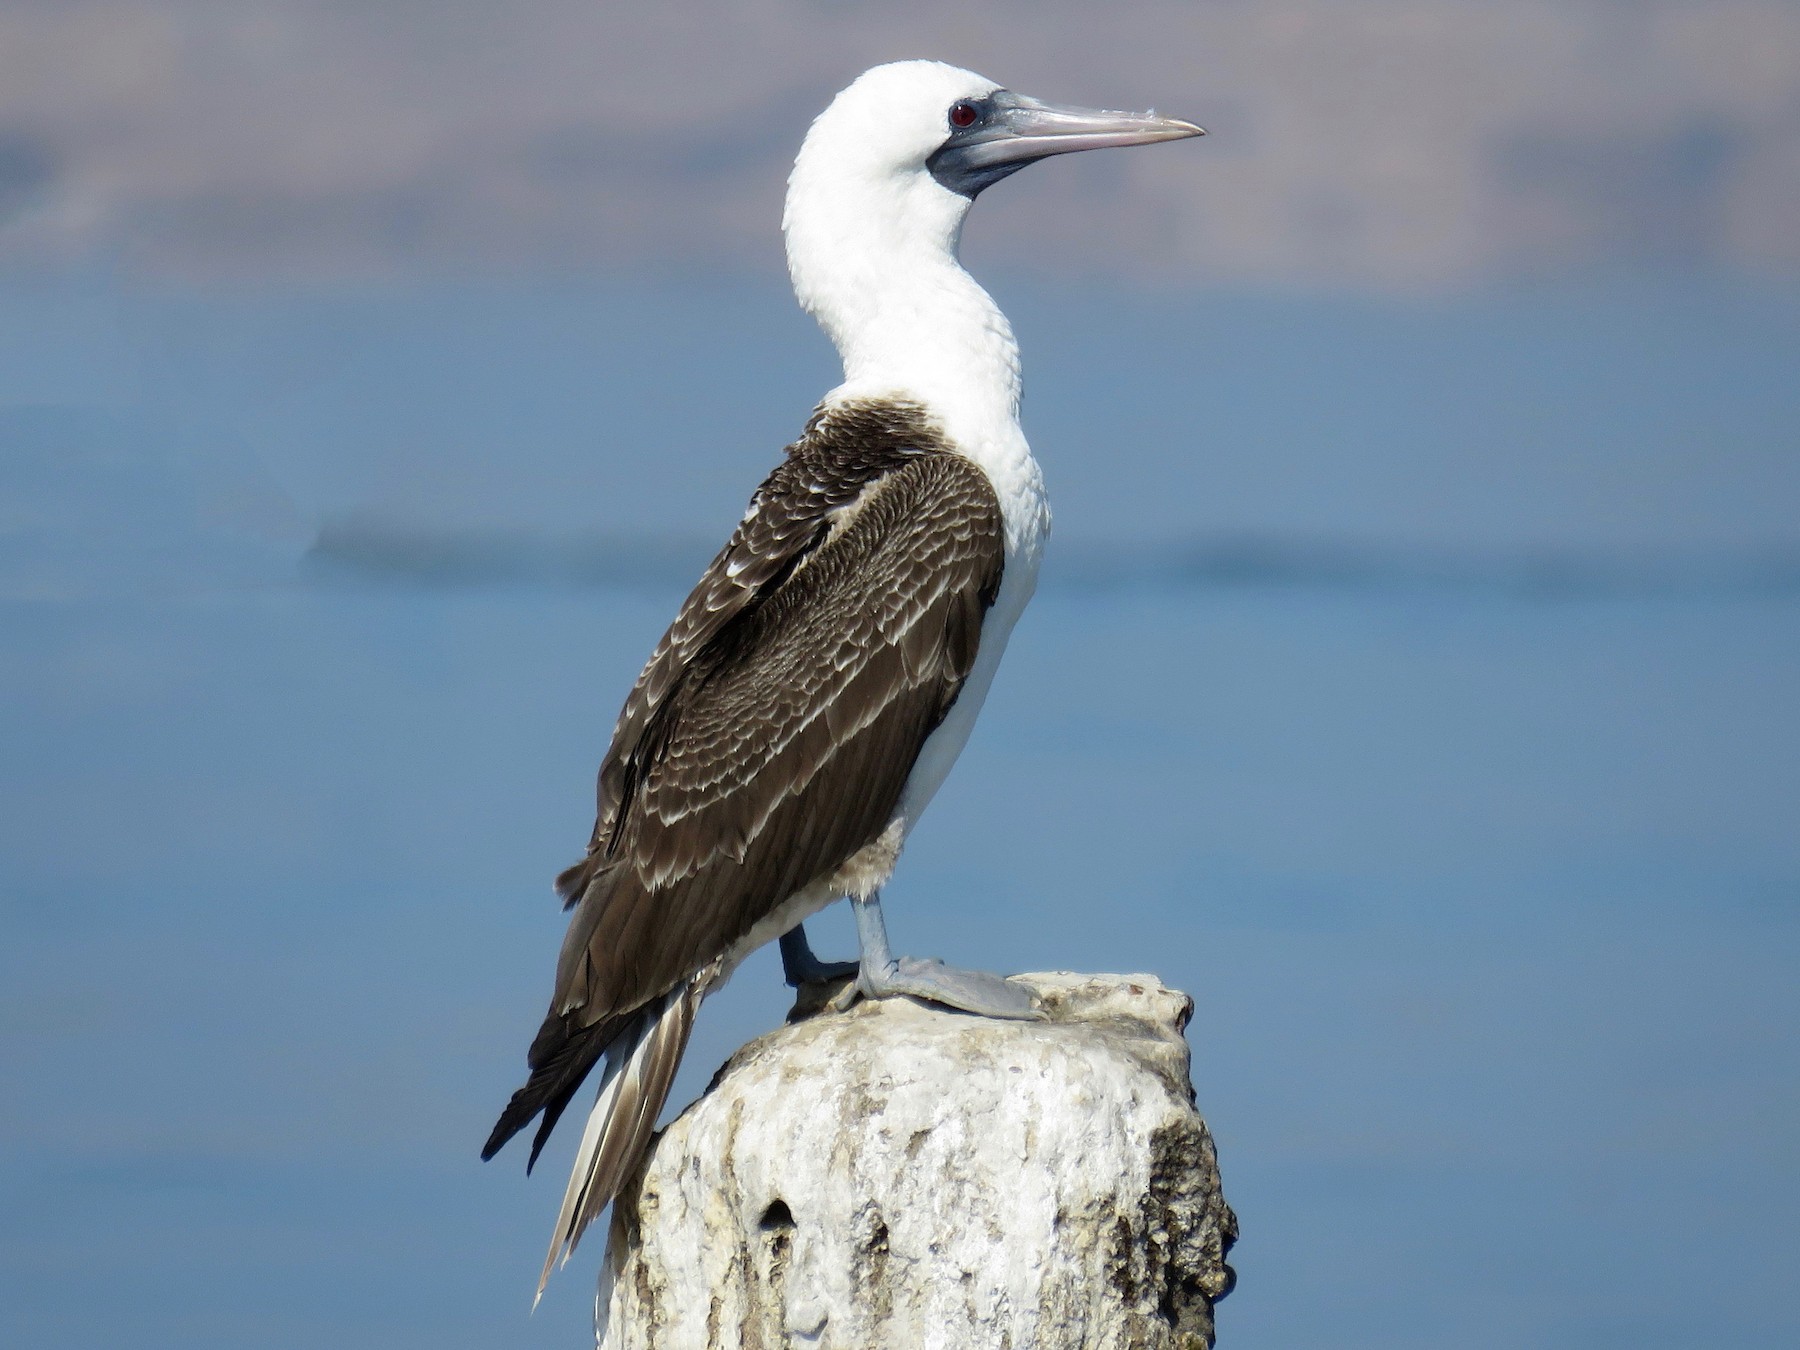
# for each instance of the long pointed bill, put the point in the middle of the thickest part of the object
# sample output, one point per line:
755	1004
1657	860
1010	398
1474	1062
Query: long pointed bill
1014	130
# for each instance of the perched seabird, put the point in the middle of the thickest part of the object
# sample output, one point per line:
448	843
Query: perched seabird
824	674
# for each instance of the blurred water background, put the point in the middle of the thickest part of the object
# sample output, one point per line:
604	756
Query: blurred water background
1413	679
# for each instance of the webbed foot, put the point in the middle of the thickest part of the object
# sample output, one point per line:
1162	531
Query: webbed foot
883	975
800	967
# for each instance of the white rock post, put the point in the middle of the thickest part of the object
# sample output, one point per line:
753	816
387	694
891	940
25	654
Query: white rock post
897	1176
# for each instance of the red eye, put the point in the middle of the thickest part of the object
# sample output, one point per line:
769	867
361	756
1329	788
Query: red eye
964	114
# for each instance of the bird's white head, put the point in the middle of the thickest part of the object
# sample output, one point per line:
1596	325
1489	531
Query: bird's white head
875	208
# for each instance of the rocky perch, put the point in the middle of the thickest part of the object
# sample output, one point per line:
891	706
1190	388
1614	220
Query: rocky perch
898	1176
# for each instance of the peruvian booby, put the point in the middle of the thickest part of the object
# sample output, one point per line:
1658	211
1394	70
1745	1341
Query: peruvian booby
822	677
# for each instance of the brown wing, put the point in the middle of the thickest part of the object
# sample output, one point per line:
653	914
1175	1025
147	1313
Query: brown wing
772	732
783	743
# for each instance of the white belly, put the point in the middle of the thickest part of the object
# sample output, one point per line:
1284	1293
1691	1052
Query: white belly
1027	517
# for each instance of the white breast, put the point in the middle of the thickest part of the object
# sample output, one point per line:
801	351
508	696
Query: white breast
1019	484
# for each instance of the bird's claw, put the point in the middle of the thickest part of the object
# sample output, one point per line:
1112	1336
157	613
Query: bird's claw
972	991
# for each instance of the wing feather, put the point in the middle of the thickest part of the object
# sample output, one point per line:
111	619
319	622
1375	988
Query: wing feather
770	735
810	712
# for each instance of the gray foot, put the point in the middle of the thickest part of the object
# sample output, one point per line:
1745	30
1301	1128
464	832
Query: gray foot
971	991
883	975
800	967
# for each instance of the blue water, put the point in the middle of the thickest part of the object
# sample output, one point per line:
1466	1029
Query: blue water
1488	893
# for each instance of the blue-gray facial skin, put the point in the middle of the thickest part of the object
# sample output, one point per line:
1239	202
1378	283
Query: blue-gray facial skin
1413	683
952	164
991	137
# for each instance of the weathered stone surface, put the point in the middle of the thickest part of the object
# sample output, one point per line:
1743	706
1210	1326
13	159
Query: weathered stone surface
897	1176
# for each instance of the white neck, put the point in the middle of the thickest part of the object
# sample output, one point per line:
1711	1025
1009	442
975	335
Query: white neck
874	261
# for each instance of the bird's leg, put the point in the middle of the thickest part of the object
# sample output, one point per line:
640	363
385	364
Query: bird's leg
799	966
883	975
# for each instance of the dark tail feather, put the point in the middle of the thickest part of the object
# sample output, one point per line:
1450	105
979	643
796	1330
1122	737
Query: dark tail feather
640	1067
561	1055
